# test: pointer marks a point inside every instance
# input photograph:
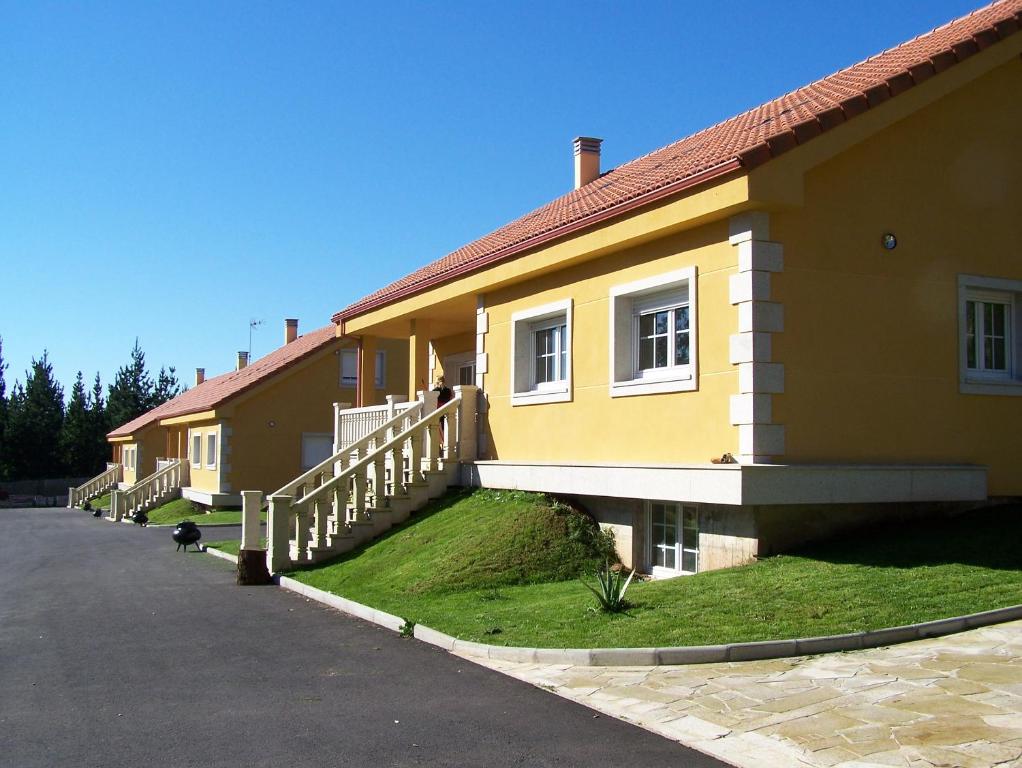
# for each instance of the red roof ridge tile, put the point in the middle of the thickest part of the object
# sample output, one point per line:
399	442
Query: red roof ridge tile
742	141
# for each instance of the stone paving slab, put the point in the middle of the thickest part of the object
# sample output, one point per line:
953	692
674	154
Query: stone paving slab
948	701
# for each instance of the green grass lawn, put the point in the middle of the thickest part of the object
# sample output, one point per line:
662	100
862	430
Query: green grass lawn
103	502
463	567
173	512
233	546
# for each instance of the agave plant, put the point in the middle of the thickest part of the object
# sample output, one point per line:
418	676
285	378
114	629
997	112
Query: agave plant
612	587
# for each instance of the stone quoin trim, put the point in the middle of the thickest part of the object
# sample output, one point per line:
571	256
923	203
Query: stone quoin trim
751	349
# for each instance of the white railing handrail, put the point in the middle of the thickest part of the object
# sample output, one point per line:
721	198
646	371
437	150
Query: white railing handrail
347	450
405	405
420	425
111	469
174	464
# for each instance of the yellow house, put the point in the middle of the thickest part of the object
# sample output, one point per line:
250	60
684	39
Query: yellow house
261	424
804	318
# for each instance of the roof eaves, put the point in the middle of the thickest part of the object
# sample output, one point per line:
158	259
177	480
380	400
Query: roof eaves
748	158
542	238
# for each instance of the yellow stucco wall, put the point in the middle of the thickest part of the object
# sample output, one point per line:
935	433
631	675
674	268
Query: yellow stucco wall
871	339
265	457
201	476
150	445
677	427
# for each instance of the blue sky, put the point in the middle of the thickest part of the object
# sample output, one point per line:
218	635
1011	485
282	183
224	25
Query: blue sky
171	171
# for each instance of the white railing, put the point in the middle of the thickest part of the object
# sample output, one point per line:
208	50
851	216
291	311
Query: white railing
351	451
150	491
323	504
352	424
96	487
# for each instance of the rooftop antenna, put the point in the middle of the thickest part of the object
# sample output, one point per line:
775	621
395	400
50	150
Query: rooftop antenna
252	324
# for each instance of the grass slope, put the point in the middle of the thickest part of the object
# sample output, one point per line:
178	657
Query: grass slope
176	510
460	570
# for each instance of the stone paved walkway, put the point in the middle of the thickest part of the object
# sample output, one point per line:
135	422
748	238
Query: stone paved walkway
951	701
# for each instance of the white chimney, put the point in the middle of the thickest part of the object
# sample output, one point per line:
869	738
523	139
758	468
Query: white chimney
587	160
290	330
242	359
200	376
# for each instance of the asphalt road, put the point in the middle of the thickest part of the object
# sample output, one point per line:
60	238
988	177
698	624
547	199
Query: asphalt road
115	650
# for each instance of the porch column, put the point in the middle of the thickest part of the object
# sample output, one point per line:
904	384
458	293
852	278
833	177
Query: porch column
418	357
367	372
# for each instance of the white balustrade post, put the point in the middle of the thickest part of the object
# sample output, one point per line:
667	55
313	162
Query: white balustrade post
359	500
415	456
397	478
251	504
301	513
321	515
70	498
466	427
278	533
379	479
433	445
115	506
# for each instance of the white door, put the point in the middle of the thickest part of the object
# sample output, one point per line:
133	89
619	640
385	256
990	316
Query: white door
317	447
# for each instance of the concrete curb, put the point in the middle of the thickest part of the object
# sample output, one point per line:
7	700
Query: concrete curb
653	657
221	554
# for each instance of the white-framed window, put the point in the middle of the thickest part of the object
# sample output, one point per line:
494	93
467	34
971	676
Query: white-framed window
460	369
210	450
129	458
673	538
349	368
196	449
990	335
653	335
541	354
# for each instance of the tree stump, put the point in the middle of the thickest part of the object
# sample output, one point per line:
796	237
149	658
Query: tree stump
252	567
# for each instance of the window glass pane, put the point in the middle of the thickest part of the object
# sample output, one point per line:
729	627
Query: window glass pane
380	375
681	319
660	352
997	318
349	367
970	333
562	345
661	322
681	349
645	354
210	450
645	325
669	558
467	374
688	561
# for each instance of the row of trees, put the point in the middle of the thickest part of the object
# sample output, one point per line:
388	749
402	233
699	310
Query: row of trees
40	437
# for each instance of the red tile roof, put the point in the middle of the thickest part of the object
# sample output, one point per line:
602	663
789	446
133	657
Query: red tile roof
742	142
216	391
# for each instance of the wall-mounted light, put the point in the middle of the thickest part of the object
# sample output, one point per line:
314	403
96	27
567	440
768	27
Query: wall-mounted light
889	241
271	423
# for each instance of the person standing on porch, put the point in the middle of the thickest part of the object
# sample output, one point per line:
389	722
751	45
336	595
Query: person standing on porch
444	396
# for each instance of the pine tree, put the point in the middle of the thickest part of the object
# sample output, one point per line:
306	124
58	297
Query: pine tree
34	424
167	387
99	448
3	412
131	394
74	437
